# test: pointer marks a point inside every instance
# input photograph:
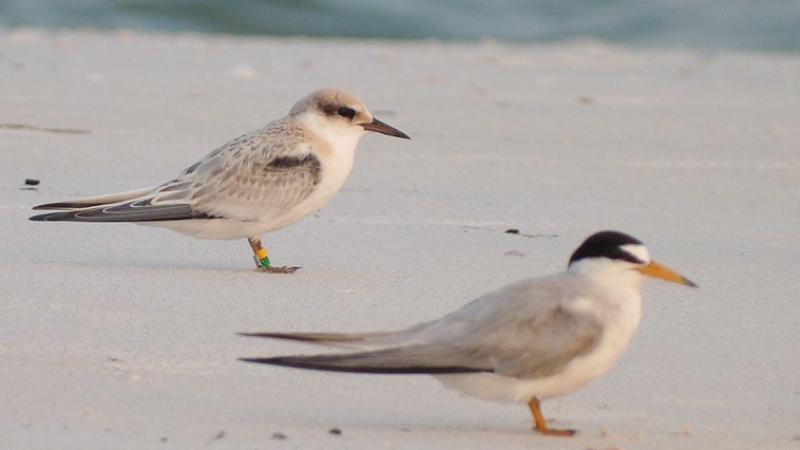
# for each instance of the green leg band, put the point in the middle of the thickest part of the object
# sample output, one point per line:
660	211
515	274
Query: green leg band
262	258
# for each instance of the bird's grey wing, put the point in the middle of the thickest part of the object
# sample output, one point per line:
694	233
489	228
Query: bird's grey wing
363	341
414	359
533	348
137	211
267	169
554	343
524	330
261	173
543	346
346	340
88	202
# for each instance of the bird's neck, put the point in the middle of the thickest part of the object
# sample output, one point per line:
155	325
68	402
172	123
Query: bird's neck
611	277
341	141
335	148
620	293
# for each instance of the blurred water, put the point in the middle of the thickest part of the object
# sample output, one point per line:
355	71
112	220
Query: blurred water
772	25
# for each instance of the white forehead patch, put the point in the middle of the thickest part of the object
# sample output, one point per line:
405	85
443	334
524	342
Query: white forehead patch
637	250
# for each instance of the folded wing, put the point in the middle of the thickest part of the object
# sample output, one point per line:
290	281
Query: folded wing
136	211
525	330
418	359
89	202
246	179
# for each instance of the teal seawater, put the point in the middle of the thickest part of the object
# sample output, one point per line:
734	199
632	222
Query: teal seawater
768	25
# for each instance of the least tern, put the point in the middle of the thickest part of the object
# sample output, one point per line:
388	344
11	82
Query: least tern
259	182
531	340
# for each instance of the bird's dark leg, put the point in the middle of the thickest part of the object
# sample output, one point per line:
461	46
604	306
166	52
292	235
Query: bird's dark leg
541	425
262	258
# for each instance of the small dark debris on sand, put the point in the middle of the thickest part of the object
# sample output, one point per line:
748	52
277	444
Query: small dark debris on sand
164	439
219	435
30	184
279	436
335	431
216	437
515	231
532	236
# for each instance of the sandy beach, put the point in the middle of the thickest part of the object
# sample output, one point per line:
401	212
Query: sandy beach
118	336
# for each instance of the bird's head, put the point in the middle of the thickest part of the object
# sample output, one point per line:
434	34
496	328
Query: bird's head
618	258
339	116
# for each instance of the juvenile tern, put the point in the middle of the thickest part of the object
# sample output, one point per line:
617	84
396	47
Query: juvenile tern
531	340
259	182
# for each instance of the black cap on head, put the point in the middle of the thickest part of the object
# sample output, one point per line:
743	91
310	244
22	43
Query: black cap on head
606	244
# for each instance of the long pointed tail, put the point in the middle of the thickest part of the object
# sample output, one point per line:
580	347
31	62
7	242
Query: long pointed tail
404	360
317	338
88	202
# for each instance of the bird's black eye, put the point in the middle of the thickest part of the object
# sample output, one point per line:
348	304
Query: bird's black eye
344	111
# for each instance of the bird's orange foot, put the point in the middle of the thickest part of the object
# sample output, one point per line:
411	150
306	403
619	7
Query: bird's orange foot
273	269
263	263
556	432
540	425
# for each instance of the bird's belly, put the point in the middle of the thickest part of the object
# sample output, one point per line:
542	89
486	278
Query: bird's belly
222	229
268	220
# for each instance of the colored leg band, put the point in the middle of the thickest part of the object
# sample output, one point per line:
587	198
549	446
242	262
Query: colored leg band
262	257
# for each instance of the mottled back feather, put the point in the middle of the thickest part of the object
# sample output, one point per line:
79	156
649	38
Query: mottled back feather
260	173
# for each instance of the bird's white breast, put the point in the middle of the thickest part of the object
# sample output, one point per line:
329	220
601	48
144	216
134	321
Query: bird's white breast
336	162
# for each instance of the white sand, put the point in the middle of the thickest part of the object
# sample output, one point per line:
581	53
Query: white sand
116	336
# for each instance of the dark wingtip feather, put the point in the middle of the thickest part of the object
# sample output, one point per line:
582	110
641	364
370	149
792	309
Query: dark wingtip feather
50	217
299	362
139	211
333	363
269	335
305	337
257	360
59	205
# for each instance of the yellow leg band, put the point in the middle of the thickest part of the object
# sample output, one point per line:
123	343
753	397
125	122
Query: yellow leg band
261	254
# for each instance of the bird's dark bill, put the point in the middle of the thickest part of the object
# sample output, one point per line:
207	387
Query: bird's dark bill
383	128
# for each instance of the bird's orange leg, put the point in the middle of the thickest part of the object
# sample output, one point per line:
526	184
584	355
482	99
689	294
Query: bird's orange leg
541	425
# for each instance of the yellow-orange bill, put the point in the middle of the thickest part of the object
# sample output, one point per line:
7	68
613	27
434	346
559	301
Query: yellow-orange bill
657	270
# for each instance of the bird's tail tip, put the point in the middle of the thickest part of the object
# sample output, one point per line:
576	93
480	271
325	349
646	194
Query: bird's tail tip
49	217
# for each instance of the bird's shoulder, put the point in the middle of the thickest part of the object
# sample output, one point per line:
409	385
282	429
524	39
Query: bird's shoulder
529	297
283	141
531	307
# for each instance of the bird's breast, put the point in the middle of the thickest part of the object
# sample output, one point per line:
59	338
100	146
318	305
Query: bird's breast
333	173
620	321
